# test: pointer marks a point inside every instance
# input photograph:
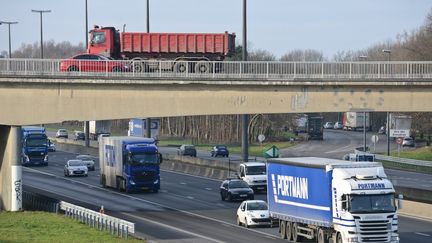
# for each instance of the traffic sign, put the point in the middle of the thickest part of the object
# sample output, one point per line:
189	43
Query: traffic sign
261	138
399	141
374	139
272	152
399	133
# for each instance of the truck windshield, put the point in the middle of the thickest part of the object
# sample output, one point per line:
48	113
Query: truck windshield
383	203
36	142
256	170
98	37
141	159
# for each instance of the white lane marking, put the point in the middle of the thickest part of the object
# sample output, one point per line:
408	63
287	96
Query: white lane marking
172	227
164	206
190	197
422	234
341	149
183	183
208	189
201	177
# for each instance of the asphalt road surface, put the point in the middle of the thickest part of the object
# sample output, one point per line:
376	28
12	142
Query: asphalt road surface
187	208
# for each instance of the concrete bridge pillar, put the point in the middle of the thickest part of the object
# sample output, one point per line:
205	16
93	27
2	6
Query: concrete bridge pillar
10	168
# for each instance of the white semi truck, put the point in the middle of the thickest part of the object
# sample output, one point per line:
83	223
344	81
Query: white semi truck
322	199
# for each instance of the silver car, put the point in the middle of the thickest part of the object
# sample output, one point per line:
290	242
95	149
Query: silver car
75	167
338	125
62	133
88	160
408	142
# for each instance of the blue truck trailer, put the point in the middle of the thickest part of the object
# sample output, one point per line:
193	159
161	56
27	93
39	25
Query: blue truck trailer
323	199
34	146
129	163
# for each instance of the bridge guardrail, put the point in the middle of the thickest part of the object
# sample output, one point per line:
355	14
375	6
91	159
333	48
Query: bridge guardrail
404	160
98	219
403	71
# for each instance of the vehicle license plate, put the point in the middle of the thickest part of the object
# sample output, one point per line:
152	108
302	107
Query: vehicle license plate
243	195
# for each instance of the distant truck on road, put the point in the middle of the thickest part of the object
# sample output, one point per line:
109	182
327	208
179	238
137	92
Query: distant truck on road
174	48
129	163
354	121
320	198
34	146
311	124
97	128
401	122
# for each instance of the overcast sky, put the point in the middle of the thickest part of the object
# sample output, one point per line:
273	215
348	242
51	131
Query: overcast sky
274	25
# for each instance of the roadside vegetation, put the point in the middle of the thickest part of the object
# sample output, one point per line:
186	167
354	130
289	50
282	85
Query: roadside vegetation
424	153
48	227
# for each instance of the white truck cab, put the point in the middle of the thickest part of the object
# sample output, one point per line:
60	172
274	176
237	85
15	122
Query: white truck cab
365	207
254	174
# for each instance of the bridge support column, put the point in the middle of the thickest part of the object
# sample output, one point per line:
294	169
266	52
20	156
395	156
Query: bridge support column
10	168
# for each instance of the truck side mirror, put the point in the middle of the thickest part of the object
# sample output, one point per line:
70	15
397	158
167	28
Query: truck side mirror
160	158
242	174
399	201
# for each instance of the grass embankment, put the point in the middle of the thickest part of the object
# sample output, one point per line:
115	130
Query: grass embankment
254	149
424	153
48	227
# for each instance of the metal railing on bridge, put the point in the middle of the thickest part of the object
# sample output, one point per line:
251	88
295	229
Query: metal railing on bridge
337	71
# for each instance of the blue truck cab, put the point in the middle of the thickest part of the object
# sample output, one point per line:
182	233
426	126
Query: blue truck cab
34	146
130	163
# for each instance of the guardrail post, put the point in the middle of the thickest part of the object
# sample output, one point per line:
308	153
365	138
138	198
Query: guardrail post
160	68
267	70
127	232
118	229
214	68
322	70
408	68
240	69
350	70
122	230
379	70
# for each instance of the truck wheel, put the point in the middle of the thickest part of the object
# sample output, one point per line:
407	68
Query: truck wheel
202	67
282	229
288	230
339	238
180	67
295	236
103	181
321	238
118	185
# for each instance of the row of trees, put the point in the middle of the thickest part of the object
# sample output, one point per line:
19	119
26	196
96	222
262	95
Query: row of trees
414	45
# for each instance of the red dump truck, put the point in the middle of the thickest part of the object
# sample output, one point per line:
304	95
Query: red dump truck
175	48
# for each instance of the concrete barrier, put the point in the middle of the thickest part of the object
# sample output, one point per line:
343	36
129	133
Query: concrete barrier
418	204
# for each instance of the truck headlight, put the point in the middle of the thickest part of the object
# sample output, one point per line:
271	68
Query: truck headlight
46	158
156	181
394	238
27	159
132	182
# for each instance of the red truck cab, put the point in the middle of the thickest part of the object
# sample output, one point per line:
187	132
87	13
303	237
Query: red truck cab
105	41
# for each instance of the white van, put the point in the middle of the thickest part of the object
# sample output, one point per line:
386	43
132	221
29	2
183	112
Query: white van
254	174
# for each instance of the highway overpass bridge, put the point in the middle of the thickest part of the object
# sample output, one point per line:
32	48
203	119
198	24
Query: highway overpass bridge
44	91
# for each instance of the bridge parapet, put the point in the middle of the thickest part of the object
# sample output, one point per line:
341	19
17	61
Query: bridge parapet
289	71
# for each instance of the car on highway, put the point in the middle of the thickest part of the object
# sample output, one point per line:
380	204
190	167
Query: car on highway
79	135
92	63
328	125
51	146
253	213
219	150
75	167
338	125
88	160
408	142
62	133
235	189
187	150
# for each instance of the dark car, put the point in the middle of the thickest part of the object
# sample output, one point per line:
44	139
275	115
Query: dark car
235	189
92	63
219	150
186	149
79	135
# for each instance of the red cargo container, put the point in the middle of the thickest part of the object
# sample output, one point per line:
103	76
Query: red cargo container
197	48
177	43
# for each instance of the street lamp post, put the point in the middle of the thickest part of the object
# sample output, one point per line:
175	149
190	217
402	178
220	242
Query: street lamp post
86	123
148	16
41	28
388	52
245	117
9	24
